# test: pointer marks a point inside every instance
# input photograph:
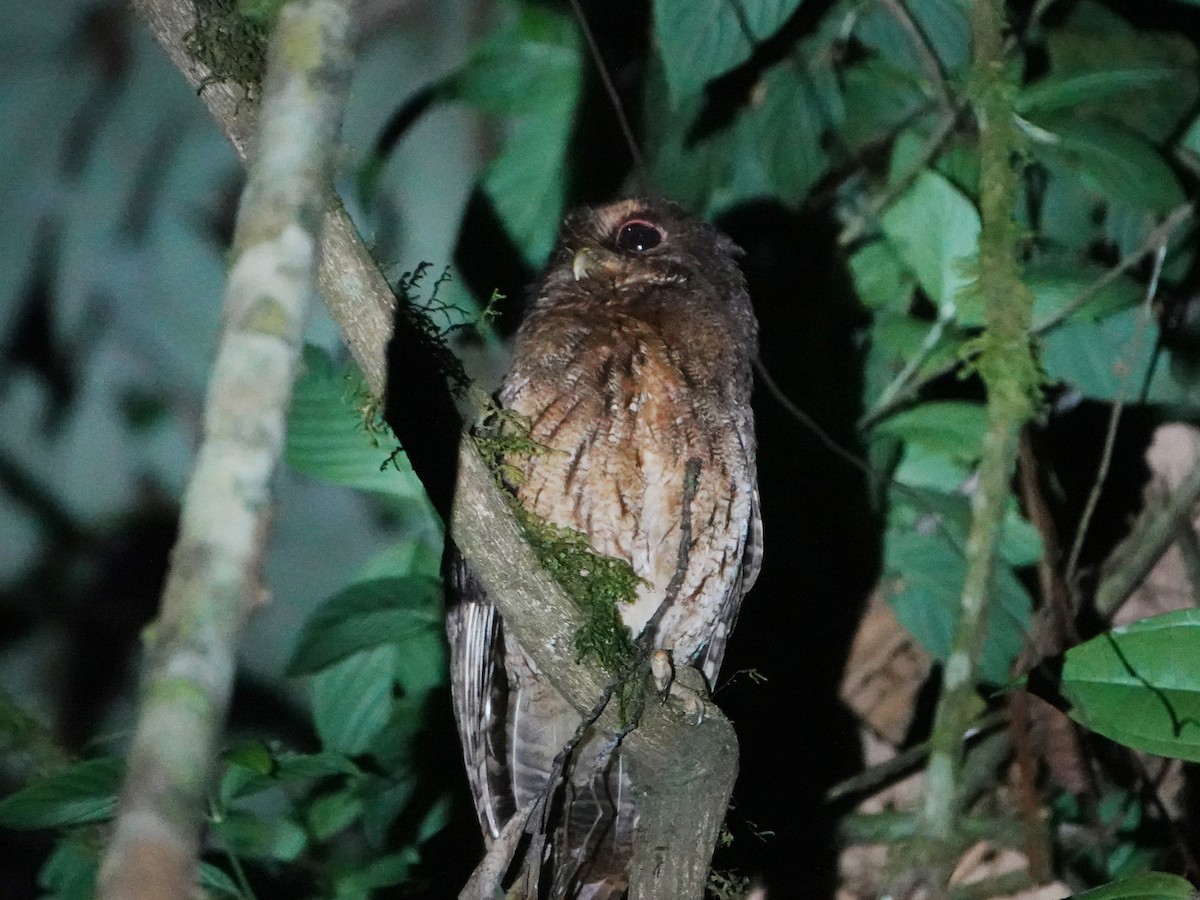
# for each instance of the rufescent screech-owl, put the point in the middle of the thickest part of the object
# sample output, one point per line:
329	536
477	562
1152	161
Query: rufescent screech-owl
633	360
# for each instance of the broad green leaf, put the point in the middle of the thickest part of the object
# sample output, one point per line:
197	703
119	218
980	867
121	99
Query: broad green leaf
1055	284
1151	886
777	149
878	97
327	439
1128	685
923	581
954	428
530	70
84	793
943	22
248	835
213	879
1092	44
70	872
701	39
1112	161
924	568
365	615
291	766
395	868
352	699
332	814
934	229
880	279
1111	358
1069	90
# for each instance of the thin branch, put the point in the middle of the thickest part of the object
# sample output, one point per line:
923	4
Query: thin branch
1154	536
1114	420
925	51
215	576
1008	370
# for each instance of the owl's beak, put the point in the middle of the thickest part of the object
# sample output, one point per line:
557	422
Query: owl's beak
590	260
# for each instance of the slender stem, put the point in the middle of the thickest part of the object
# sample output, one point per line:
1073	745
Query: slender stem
1009	372
1114	420
215	577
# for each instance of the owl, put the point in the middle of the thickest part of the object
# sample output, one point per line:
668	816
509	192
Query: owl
632	368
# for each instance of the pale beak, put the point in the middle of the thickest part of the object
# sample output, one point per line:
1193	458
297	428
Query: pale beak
591	260
583	259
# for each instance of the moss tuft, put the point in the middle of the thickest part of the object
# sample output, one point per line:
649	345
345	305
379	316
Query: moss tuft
230	38
598	584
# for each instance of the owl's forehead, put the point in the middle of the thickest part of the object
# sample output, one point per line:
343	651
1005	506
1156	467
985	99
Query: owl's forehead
610	216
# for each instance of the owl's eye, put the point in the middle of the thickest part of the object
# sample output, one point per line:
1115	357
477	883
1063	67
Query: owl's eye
638	236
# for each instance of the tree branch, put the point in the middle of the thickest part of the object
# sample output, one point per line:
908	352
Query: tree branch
684	773
1010	374
214	580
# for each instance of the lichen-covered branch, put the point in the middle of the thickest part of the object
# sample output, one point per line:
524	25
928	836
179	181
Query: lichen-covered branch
214	580
1010	374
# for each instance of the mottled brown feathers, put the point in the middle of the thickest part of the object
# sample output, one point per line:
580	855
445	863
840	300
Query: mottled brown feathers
633	360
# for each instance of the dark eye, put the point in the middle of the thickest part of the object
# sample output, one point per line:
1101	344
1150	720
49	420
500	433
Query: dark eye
638	236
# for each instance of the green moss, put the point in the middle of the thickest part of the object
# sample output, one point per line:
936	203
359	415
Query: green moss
231	39
598	584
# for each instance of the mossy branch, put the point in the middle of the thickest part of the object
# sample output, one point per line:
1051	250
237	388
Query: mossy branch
684	773
1005	362
215	576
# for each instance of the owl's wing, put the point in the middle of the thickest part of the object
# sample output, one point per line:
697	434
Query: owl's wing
478	688
713	654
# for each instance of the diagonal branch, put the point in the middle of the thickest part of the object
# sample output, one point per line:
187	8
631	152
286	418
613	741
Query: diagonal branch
685	772
214	580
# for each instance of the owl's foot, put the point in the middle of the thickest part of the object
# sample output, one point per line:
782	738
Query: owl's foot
685	685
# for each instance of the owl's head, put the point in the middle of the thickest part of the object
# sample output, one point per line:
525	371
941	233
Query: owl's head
642	244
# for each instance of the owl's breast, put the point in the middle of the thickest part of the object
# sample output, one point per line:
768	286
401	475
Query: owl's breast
622	418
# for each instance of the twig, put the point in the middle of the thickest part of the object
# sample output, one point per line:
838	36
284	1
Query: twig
925	50
214	581
485	881
1153	538
889	771
1114	420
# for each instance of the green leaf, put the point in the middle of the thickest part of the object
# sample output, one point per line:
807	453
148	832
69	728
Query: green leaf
84	793
943	22
934	229
880	279
70	872
1057	283
951	427
701	39
1151	886
247	835
327	439
925	567
878	97
1092	44
1128	685
1108	159
529	69
298	766
777	150
395	868
365	615
352	699
1066	91
214	879
1106	359
332	814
